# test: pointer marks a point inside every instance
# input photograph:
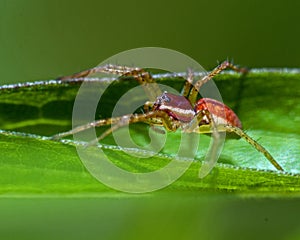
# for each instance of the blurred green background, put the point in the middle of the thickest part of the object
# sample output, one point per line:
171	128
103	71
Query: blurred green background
50	38
44	39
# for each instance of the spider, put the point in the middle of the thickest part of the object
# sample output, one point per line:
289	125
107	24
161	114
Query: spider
173	111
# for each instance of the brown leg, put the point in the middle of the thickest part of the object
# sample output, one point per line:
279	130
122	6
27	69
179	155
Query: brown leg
141	76
198	125
254	144
97	123
223	66
215	147
188	83
242	134
112	69
159	118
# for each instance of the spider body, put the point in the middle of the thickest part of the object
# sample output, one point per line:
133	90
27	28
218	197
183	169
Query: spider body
176	111
180	109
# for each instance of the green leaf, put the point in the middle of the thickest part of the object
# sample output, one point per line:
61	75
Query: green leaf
266	102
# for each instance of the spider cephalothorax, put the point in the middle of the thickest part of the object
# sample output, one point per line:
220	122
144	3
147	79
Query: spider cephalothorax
174	111
176	106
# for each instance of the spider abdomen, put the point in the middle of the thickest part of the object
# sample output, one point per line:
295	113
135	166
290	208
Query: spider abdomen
221	113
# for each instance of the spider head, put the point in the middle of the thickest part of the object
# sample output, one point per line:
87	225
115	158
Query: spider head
164	99
178	107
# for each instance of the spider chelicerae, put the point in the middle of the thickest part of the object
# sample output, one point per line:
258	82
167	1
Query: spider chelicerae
173	111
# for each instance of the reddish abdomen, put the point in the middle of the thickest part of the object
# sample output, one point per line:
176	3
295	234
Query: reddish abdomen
220	112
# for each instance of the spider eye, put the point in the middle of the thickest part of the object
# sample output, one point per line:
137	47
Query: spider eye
165	98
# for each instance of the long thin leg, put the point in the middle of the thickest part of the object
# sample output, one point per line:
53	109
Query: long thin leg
242	134
159	118
223	66
214	152
97	123
215	147
143	77
188	83
255	144
113	69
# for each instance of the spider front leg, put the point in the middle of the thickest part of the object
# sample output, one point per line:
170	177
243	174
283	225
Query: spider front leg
158	118
97	123
143	77
109	69
147	108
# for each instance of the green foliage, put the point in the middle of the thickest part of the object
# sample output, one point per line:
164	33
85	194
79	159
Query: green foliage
266	102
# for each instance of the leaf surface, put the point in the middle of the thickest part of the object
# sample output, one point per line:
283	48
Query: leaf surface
267	103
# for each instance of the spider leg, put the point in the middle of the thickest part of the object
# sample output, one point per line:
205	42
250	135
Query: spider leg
143	77
97	123
215	147
221	67
148	106
214	151
113	69
255	144
157	129
188	83
159	118
231	129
